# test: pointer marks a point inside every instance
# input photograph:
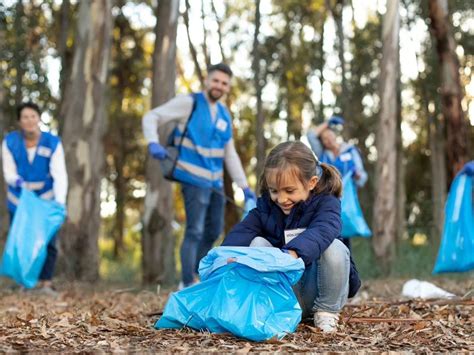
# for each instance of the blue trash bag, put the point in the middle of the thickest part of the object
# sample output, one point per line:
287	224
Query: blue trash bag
456	252
35	222
251	298
353	222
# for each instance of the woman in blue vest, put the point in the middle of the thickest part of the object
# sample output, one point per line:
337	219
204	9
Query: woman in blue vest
34	160
344	156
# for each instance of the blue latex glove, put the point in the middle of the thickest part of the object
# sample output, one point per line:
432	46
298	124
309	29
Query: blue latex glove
157	151
336	120
468	169
249	194
19	182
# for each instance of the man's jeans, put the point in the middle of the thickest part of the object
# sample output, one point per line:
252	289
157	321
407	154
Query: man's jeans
204	223
325	283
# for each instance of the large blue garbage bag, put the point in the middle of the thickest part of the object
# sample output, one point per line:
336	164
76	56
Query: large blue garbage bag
456	253
353	222
251	298
35	222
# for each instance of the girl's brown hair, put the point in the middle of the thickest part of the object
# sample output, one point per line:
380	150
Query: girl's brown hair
297	158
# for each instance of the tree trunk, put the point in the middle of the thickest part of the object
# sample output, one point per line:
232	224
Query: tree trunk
83	112
336	12
258	93
20	57
192	49
439	178
450	90
63	53
3	206
385	205
157	235
219	31
205	49
401	188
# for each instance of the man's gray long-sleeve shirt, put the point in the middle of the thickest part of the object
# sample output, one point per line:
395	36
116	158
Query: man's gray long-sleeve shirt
178	110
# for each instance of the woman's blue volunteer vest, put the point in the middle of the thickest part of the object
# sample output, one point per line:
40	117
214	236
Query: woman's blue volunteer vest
36	174
343	162
201	154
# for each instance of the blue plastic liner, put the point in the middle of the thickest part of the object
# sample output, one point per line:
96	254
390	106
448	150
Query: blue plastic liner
353	222
251	298
35	222
456	252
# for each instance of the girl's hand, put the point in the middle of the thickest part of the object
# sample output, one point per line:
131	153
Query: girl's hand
293	254
231	260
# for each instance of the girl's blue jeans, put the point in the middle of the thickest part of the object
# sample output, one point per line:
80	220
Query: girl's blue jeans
325	282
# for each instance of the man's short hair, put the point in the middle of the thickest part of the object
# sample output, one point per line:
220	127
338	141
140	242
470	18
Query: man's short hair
24	105
220	67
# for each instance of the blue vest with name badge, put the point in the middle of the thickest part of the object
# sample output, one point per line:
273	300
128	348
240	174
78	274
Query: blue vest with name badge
343	162
36	175
201	154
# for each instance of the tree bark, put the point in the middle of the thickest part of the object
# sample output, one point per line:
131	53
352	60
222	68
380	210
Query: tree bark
259	130
336	12
83	112
385	205
439	178
63	53
450	88
3	206
157	235
192	49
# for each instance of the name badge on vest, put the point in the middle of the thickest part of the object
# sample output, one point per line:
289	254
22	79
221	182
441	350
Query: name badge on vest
291	234
345	157
221	125
43	151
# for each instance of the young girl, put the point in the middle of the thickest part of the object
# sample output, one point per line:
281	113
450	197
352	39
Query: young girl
299	211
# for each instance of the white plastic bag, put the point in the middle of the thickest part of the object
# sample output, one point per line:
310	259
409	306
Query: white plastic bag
422	289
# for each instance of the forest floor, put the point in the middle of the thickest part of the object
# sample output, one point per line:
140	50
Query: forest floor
87	318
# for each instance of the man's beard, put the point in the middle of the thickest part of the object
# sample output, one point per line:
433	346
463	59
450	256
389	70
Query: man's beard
212	97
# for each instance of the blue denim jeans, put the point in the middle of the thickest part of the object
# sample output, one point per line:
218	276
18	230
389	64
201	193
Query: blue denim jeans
204	223
325	283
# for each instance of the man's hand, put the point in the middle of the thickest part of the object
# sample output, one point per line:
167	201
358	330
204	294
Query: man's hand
19	182
157	151
249	194
336	120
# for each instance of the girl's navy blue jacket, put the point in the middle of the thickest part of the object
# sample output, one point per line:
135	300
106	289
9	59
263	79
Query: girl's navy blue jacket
319	215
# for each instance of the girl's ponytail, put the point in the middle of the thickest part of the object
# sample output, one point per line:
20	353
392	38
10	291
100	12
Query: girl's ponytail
329	181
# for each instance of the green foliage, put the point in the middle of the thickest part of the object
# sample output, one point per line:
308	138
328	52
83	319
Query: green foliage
126	268
414	261
22	57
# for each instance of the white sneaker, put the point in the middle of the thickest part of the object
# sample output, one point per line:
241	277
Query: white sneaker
326	321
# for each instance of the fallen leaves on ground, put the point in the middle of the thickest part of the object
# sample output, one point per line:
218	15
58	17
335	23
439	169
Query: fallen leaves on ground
82	319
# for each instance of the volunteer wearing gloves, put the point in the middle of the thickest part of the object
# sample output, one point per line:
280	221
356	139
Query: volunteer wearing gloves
204	135
34	160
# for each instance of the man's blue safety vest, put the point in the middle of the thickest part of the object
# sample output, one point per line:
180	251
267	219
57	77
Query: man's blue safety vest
344	162
36	175
201	154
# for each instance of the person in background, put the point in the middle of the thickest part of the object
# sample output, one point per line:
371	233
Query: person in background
204	129
34	160
344	156
299	211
